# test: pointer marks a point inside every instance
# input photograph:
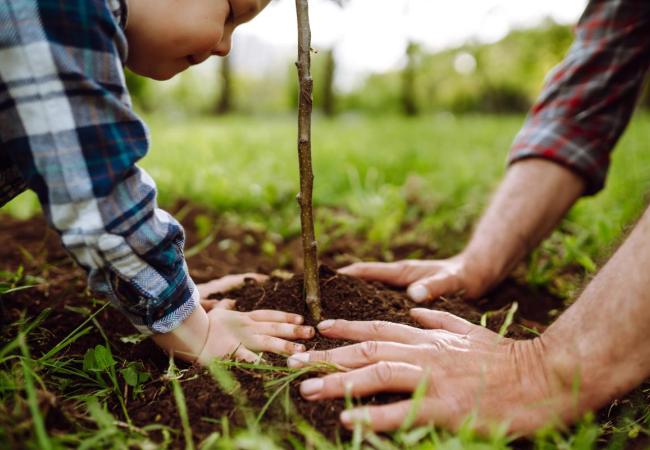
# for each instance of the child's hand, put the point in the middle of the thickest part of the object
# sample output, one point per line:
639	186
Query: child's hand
239	334
216	331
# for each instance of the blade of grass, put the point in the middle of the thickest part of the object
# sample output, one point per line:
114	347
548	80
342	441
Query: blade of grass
4	291
509	318
11	346
416	401
179	397
32	400
73	336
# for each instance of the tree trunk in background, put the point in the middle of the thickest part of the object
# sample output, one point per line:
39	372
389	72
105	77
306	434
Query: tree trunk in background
329	97
225	103
409	95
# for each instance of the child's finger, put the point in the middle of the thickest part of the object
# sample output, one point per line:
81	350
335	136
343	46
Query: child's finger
227	283
284	330
244	354
226	303
209	305
272	344
264	315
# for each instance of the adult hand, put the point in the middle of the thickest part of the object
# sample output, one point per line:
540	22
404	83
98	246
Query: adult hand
427	279
466	369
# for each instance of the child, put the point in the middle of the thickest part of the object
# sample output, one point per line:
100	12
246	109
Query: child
67	131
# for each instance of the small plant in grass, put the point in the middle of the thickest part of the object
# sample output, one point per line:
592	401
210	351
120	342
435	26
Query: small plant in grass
17	281
100	362
135	376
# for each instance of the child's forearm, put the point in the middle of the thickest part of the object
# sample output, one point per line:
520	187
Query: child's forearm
188	340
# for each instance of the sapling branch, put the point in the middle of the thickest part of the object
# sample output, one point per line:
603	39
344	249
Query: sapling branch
309	246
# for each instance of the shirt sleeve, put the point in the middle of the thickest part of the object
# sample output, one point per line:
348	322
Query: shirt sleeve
588	99
67	124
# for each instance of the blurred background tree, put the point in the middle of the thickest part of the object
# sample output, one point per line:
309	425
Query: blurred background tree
225	103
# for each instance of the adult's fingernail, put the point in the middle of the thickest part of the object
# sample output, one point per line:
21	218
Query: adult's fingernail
418	293
325	325
307	332
298	348
298	360
311	387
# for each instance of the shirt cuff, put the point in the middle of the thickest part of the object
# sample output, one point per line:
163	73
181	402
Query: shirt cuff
152	315
561	145
175	318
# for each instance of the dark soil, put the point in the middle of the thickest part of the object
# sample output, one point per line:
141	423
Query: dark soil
31	245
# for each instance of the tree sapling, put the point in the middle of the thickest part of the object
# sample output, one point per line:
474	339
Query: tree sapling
309	245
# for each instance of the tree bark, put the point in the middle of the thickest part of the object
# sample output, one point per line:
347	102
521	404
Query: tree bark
309	245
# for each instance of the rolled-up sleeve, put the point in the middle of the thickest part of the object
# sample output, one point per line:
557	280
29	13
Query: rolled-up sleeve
588	99
67	125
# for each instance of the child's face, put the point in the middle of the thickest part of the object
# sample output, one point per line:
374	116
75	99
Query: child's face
168	36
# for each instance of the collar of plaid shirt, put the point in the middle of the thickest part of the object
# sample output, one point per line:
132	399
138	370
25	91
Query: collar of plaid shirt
120	11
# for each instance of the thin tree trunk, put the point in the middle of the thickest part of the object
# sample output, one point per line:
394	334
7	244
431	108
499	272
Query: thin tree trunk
225	105
329	97
409	101
310	248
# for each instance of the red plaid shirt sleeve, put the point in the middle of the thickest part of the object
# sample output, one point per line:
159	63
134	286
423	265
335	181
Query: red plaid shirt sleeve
589	97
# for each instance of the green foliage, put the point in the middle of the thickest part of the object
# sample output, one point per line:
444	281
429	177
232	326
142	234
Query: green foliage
17	281
98	360
506	77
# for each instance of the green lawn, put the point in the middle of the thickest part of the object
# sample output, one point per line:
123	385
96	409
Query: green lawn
437	171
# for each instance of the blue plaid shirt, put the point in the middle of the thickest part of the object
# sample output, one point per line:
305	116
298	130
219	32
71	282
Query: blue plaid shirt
68	132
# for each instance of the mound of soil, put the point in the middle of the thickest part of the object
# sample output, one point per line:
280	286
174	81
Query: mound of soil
345	297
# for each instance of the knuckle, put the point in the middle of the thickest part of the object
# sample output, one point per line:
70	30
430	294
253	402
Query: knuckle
368	350
318	356
337	383
326	356
378	326
404	269
384	372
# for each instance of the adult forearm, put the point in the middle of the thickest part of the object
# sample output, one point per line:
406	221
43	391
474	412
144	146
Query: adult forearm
600	344
533	197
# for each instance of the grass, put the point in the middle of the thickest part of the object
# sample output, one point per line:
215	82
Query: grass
373	176
437	171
